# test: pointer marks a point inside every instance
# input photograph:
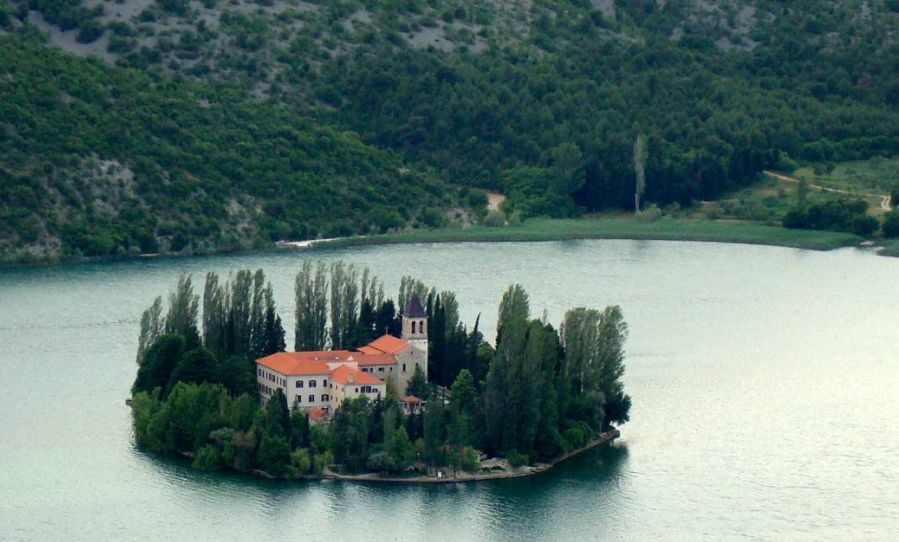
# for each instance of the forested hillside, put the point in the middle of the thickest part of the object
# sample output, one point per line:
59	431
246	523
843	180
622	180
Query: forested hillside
542	100
97	161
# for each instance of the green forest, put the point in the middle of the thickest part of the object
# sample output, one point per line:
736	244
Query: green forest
539	393
98	161
218	125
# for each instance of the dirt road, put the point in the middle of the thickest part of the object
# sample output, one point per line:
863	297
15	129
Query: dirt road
885	203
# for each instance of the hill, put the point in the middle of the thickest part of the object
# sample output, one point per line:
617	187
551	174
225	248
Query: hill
542	100
98	161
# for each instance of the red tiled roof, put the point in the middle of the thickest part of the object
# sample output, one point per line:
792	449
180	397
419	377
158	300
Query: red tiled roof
349	375
410	399
389	344
317	414
368	360
303	363
369	350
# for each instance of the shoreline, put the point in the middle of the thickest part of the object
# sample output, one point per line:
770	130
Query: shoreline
544	230
665	229
463	477
460	477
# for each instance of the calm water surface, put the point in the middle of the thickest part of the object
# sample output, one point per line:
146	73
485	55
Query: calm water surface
765	385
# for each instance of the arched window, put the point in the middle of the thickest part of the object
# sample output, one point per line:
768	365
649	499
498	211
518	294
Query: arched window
413	327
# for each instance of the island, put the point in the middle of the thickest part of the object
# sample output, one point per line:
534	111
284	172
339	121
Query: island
371	392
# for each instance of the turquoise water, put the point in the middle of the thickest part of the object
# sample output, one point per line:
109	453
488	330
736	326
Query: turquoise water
764	383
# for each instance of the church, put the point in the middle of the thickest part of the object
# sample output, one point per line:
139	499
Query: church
319	381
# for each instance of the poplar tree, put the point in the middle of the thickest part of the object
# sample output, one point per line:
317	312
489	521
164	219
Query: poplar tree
639	170
338	276
262	298
311	291
152	326
239	314
215	299
181	318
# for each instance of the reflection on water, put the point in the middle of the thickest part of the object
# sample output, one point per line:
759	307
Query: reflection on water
763	383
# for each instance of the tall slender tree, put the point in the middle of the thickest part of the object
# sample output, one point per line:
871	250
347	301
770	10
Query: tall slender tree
311	290
152	325
640	154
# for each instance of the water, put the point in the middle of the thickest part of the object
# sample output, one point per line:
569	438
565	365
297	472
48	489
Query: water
764	384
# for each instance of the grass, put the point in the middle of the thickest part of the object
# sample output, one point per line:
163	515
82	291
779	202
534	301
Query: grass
875	176
620	227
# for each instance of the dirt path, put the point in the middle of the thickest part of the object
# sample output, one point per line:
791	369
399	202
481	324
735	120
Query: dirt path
494	200
885	203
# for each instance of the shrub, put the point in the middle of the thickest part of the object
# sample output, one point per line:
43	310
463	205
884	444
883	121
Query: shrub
494	219
380	462
650	214
863	225
470	461
891	224
433	217
89	32
575	437
516	459
207	459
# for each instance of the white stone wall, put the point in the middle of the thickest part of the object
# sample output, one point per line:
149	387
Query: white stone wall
316	386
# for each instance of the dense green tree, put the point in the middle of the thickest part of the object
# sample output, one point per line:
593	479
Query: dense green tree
197	366
159	363
274	455
299	429
277	416
400	449
891	223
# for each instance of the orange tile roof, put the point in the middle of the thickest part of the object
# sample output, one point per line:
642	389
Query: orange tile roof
369	350
389	344
410	399
317	414
303	363
349	375
368	360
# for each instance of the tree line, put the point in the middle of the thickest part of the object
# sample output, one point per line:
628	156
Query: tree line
539	393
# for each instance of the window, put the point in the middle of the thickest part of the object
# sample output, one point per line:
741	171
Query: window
413	327
366	389
325	383
299	383
311	398
312	383
404	367
357	390
258	371
299	398
380	369
325	398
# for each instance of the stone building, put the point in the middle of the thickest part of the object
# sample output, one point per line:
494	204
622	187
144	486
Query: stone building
320	381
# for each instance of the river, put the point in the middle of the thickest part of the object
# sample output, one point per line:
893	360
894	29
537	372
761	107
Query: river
765	385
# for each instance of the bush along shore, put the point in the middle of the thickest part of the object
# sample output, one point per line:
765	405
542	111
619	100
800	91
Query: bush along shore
537	397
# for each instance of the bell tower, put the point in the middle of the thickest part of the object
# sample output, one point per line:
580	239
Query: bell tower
415	330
